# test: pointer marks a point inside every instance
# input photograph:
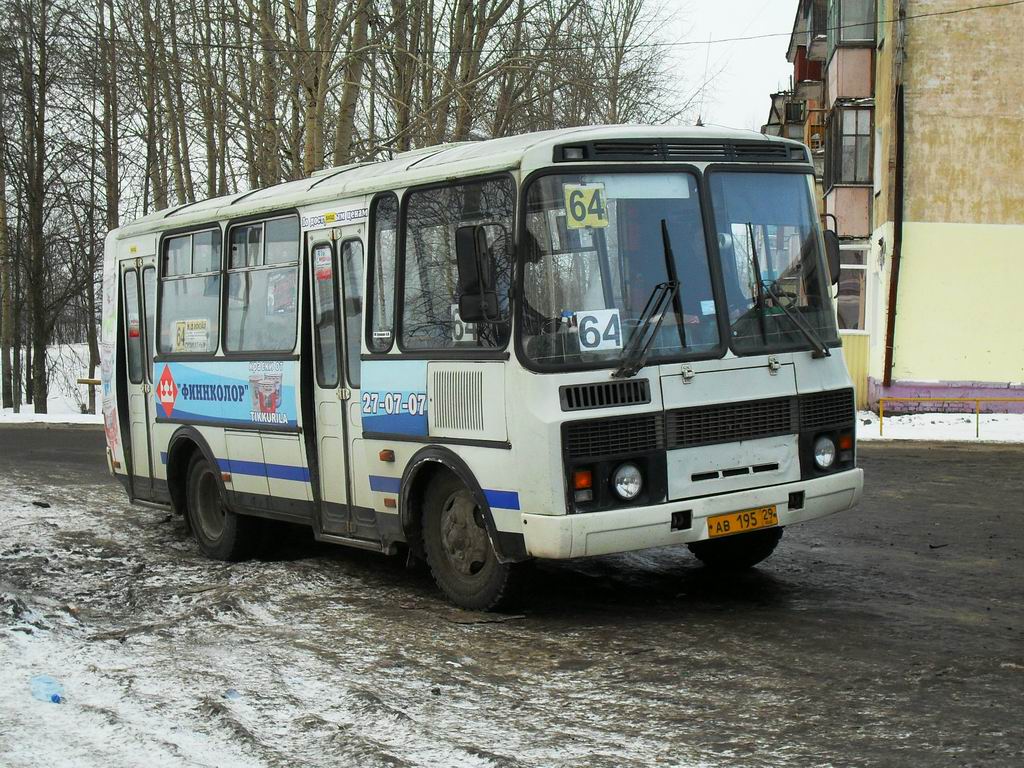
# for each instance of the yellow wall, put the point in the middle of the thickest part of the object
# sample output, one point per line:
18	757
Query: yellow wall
855	353
965	109
960	313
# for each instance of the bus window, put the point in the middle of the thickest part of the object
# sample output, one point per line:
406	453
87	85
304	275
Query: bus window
384	215
262	290
149	289
190	293
352	268
430	293
325	316
133	325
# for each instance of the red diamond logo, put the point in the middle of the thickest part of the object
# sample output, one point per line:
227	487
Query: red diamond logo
166	391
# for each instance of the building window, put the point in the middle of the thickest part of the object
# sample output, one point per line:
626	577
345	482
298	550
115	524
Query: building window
263	278
848	147
850	22
190	293
850	303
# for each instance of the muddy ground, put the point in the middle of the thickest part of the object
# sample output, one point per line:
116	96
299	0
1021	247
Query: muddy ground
889	635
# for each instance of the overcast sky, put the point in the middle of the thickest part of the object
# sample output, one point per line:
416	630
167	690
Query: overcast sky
747	71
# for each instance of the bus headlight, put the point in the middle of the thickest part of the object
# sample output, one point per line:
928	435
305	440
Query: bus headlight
824	452
627	481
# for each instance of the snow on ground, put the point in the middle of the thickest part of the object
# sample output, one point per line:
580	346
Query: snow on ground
67	363
943	427
338	657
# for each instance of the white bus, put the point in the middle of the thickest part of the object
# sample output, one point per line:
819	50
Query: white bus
557	345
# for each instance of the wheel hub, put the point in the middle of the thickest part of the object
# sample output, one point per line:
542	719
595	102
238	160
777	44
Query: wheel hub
462	534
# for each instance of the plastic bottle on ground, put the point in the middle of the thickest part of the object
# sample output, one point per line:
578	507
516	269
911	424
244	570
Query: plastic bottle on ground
45	688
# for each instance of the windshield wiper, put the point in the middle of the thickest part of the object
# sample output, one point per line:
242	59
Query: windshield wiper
758	283
634	356
820	348
670	270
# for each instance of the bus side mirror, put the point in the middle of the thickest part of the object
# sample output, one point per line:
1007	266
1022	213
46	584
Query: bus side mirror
478	297
832	254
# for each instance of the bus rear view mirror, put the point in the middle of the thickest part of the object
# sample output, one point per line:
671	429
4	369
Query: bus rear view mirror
832	255
478	299
478	308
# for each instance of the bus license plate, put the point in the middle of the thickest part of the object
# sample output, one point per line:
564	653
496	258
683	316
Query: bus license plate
741	522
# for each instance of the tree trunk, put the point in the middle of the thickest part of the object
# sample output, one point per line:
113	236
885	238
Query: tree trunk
354	66
6	299
111	134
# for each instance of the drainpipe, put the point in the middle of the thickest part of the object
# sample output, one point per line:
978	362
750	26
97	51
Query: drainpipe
897	242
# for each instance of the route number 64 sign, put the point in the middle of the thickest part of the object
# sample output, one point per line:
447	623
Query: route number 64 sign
585	206
600	329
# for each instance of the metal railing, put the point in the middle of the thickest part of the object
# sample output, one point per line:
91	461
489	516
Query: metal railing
976	400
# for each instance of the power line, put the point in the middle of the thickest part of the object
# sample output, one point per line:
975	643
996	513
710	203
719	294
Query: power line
77	36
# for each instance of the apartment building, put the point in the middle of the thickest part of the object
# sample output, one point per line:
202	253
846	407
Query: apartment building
917	131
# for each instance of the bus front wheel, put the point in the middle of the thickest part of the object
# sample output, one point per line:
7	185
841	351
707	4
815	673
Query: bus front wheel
222	534
738	552
459	552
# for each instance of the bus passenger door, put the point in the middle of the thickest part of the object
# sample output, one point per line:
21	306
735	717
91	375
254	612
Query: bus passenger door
138	279
336	268
363	519
329	392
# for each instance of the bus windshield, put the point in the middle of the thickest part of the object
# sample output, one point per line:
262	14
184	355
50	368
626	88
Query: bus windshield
595	254
771	260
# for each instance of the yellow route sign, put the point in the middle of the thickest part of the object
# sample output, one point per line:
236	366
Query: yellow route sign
585	206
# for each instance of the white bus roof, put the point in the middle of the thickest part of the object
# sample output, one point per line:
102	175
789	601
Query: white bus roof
420	166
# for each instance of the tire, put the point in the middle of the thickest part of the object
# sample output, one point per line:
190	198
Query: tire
738	552
459	551
221	534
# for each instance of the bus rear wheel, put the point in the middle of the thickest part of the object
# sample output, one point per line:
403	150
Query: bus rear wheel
221	534
738	552
459	551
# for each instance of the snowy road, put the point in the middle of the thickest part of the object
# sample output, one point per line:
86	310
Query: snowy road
892	635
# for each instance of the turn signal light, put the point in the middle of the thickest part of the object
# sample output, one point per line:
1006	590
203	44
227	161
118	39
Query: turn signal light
582	479
845	442
386	455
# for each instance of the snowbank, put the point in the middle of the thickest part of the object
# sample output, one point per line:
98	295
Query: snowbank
66	363
944	427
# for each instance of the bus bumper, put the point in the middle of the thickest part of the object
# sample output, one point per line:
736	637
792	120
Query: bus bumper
621	530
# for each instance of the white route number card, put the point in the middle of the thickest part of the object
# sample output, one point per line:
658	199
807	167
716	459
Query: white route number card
600	330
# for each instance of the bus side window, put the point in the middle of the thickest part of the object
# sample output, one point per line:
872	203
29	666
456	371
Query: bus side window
189	294
352	269
262	294
325	316
381	285
133	325
430	294
149	290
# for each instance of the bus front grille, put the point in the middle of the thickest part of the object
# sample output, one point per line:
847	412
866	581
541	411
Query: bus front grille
731	422
604	394
826	409
709	425
610	437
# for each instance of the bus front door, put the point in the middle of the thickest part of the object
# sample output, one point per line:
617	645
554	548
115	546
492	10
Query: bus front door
336	271
138	280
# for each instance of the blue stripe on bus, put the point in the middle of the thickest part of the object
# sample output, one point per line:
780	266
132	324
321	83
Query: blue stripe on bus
385	484
502	499
258	469
497	499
